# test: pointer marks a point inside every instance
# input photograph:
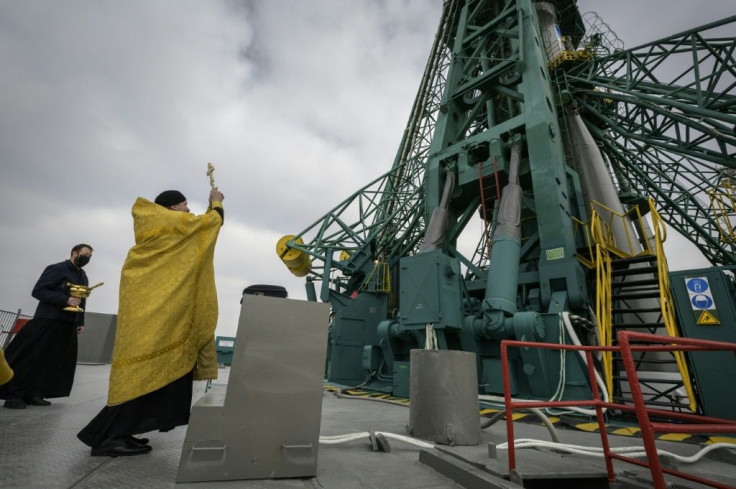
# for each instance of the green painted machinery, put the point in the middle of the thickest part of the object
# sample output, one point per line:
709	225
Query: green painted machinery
487	142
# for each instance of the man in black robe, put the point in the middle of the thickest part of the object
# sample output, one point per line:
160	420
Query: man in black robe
43	354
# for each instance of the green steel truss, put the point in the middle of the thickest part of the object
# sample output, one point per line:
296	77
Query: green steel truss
664	116
487	100
662	113
384	220
493	92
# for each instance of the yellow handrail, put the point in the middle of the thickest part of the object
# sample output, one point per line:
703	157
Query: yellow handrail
723	211
381	276
603	306
666	302
578	225
603	234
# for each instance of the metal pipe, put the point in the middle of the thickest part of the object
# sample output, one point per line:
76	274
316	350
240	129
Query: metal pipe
503	271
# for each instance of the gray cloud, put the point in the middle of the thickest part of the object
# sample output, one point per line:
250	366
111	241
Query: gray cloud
298	104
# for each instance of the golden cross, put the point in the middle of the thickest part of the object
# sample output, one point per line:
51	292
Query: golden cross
210	171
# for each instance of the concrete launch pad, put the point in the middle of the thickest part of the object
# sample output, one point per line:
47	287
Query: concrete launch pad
39	450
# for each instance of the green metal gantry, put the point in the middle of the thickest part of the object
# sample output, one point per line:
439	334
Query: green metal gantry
490	113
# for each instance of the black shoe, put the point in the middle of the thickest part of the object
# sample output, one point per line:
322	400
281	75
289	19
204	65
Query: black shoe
15	404
37	401
139	441
119	447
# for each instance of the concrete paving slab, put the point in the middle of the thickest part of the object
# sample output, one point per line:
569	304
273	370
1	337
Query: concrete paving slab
39	450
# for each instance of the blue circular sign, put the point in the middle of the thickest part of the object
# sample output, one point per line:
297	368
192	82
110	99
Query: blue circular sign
697	285
702	301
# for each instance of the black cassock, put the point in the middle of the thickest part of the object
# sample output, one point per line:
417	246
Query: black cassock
160	410
43	354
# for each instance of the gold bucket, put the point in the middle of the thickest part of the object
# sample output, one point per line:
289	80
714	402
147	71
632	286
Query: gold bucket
81	291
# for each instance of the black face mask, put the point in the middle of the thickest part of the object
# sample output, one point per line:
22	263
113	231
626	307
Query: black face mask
81	260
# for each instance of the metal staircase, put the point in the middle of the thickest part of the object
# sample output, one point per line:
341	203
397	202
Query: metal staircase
633	294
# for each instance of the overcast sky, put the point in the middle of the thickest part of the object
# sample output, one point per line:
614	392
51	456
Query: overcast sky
297	103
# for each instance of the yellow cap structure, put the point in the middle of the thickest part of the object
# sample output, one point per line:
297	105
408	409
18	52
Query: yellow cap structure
296	261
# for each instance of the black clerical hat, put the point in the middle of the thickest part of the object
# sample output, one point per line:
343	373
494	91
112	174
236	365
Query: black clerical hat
167	198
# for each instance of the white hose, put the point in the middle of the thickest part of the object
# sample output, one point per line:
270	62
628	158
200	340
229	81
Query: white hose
336	439
430	340
598	379
532	443
559	391
333	440
542	417
598	452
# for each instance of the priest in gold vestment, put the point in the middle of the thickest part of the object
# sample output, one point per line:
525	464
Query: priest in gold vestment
166	323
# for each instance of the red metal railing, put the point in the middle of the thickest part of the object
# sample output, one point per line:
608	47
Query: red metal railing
698	424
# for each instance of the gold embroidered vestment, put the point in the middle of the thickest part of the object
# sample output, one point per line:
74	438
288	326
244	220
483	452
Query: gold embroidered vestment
168	302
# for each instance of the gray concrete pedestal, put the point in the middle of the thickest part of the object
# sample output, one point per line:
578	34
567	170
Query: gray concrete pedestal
265	423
